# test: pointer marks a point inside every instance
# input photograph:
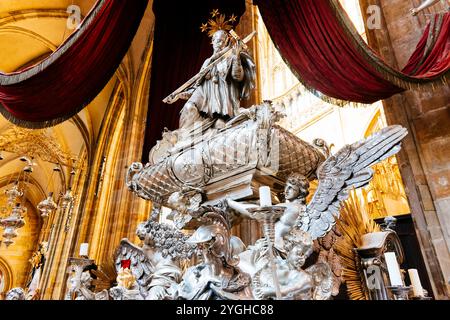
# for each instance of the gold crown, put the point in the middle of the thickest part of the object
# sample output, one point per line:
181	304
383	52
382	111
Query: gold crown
219	23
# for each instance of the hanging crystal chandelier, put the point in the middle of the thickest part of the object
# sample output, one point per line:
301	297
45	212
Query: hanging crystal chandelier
12	223
15	219
13	194
47	206
68	198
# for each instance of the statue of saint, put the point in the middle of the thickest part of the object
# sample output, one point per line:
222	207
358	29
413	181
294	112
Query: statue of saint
219	92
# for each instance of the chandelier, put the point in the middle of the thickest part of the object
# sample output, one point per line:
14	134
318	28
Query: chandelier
12	212
47	206
35	144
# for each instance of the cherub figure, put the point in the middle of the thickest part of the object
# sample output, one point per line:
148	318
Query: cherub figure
348	168
294	283
295	192
314	283
217	277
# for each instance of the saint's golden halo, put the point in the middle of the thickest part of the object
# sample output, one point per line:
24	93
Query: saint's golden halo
218	22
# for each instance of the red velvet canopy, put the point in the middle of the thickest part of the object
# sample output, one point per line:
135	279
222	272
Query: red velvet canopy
65	82
321	46
315	38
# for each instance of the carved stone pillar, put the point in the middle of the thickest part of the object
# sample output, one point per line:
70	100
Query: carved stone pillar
424	159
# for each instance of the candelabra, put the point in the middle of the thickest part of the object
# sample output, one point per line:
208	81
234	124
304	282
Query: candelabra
267	215
399	292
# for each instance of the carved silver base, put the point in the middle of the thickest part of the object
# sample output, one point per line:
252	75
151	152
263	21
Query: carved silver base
421	298
399	292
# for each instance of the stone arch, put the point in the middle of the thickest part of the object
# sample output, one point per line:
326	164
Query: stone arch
6	277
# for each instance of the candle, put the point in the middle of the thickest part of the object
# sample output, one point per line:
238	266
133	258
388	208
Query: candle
265	197
415	282
84	248
393	268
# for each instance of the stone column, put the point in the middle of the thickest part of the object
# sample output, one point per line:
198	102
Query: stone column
424	160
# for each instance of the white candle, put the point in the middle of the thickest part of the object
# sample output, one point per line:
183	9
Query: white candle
415	282
393	268
84	249
265	197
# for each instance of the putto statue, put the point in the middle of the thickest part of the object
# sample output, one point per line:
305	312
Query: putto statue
210	177
217	276
294	282
156	266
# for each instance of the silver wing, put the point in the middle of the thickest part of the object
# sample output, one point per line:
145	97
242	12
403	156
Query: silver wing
326	254
141	266
348	168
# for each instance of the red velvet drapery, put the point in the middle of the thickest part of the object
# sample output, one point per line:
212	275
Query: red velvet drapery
65	82
179	50
314	37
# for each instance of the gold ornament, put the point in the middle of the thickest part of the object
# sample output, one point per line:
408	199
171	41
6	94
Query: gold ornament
219	23
353	223
125	278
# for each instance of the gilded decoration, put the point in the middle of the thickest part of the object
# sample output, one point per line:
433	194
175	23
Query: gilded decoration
36	144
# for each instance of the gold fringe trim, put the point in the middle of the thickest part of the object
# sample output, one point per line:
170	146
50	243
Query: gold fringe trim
395	77
315	92
399	79
20	76
39	124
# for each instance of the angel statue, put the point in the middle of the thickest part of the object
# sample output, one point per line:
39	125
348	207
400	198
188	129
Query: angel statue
217	277
156	266
295	283
348	168
225	78
80	286
295	192
427	4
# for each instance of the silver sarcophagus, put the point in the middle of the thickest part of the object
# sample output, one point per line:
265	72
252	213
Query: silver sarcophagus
231	160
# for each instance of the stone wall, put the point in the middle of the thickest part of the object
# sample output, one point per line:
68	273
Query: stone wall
424	161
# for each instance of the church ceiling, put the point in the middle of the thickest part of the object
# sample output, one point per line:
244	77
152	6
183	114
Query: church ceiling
30	31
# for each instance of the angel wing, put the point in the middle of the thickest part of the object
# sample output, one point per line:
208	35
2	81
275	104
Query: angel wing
348	168
140	265
324	247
